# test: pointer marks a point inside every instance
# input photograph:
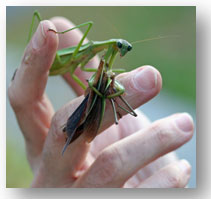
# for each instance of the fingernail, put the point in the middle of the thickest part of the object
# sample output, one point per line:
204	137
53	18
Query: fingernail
185	166
184	122
39	37
145	79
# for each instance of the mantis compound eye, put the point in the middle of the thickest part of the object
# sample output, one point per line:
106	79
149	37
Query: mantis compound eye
119	44
129	48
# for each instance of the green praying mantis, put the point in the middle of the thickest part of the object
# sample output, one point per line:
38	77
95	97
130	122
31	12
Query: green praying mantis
102	85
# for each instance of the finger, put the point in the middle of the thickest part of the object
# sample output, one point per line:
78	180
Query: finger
175	175
150	169
26	92
141	85
68	39
154	166
127	126
120	161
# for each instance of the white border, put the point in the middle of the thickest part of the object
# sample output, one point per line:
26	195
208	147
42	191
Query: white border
3	97
203	105
101	3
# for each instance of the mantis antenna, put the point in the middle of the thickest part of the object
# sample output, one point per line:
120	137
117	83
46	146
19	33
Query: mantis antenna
155	38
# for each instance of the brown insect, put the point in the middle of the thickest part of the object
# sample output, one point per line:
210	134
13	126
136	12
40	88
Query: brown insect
87	118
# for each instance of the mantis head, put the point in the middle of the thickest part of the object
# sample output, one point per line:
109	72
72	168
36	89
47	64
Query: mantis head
123	46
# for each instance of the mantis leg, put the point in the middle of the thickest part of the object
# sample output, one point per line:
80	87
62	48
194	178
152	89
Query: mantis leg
83	64
35	15
83	68
118	70
112	58
95	90
108	54
119	90
109	59
118	93
78	81
89	69
114	110
89	23
130	111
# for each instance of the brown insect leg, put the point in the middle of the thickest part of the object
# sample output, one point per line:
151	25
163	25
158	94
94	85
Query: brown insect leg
114	110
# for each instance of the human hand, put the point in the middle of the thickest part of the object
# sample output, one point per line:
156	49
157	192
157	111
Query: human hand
138	160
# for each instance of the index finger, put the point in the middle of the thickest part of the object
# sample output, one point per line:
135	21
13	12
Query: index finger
26	92
30	80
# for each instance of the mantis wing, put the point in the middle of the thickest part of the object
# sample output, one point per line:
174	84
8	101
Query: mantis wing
92	123
74	121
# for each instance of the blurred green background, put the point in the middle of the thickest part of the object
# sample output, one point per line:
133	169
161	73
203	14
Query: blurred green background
174	57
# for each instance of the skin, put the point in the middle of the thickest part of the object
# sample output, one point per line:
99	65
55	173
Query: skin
144	158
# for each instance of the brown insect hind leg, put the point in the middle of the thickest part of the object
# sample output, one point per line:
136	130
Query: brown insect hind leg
114	110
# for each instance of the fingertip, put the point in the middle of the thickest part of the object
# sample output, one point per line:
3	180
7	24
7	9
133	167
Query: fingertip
146	79
43	36
159	81
41	50
142	83
184	122
185	166
52	38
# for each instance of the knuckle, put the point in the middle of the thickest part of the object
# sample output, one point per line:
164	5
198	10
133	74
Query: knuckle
174	181
56	129
11	96
14	100
163	134
109	164
174	177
